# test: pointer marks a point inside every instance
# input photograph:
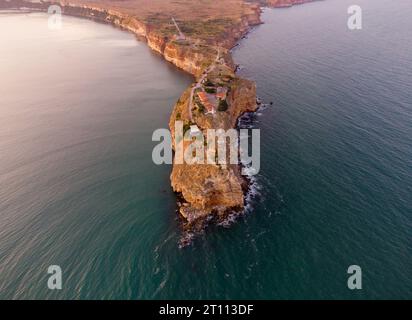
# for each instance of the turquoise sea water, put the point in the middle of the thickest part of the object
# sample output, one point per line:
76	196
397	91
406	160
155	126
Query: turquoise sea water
337	149
79	190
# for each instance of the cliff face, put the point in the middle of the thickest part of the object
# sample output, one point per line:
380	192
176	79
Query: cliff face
191	58
209	189
193	55
249	20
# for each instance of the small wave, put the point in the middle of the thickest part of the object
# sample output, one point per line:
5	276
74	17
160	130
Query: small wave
251	196
186	239
120	43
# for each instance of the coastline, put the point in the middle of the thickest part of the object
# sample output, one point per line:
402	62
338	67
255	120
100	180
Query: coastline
81	191
206	191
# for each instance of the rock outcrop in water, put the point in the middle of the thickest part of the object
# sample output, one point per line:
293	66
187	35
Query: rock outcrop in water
208	188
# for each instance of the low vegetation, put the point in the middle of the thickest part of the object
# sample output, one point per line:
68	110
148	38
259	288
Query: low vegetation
204	19
223	105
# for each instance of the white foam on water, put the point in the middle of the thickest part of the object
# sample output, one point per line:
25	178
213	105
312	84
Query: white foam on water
246	121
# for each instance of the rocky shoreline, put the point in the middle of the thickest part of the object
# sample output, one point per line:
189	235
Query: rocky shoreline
205	190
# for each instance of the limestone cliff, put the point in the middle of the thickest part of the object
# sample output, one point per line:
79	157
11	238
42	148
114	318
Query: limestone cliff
209	189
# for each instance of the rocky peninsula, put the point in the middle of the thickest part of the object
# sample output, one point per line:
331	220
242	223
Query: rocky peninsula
195	36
